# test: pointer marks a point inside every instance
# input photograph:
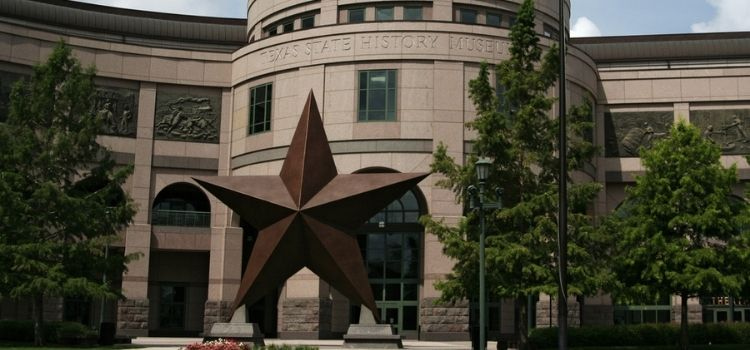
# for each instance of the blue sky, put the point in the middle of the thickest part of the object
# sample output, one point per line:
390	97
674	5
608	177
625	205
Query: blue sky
589	17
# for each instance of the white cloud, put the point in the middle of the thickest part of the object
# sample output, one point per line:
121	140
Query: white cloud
731	15
215	8
584	27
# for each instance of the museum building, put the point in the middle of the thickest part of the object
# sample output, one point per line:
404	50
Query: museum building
189	96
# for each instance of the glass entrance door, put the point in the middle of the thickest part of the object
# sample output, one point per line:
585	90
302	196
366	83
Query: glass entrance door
391	246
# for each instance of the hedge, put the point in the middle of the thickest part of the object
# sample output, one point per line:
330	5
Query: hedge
53	332
643	335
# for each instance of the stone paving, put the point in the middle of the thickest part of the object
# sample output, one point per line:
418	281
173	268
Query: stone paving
155	343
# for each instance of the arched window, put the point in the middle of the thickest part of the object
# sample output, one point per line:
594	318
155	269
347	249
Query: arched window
181	204
391	244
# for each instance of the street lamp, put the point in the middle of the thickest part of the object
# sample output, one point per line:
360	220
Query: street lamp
482	169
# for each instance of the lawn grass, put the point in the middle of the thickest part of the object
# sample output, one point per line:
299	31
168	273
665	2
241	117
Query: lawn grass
692	347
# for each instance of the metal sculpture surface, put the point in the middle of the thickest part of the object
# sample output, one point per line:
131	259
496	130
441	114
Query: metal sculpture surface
305	215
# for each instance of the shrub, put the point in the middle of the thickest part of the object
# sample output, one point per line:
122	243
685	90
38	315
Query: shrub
72	333
53	332
20	331
643	335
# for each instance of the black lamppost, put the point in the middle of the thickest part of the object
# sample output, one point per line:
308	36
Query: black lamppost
482	169
562	224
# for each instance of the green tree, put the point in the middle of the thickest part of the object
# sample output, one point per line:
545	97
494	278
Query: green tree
677	233
61	200
521	137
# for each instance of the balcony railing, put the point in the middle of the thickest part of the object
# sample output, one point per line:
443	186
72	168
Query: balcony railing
182	218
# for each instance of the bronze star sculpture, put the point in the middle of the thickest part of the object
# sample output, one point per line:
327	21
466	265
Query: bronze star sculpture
305	216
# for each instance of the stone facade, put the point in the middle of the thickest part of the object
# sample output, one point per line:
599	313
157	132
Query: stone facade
132	319
306	318
695	313
216	312
546	313
441	321
207	68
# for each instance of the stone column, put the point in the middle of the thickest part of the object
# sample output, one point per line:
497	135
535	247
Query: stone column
443	322
598	311
225	266
451	110
328	12
132	313
546	312
695	310
305	309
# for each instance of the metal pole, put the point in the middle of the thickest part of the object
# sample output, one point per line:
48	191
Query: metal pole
562	238
482	291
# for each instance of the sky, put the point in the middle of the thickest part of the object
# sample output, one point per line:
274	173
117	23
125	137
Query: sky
589	17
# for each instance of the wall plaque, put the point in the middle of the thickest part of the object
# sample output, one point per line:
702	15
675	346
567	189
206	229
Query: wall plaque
186	117
627	132
118	108
728	128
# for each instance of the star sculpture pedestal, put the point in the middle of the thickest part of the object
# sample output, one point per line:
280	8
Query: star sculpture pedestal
306	217
237	329
369	334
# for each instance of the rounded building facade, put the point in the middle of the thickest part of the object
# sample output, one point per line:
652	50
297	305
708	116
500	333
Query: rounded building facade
191	96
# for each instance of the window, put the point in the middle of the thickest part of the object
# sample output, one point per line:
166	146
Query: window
288	27
308	22
273	30
181	204
467	16
260	109
377	95
390	243
356	15
412	13
384	13
493	19
660	312
551	32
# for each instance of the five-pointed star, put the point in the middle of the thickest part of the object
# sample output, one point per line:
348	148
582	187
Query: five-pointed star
305	215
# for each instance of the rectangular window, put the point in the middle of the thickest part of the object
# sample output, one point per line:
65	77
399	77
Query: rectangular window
308	22
288	27
493	19
412	13
273	30
551	32
502	100
356	15
467	16
260	109
377	95
384	13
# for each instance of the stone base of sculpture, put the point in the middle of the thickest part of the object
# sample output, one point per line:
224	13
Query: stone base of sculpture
368	334
236	329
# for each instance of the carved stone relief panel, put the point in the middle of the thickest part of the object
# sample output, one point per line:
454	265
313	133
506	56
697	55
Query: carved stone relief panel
728	128
187	116
118	107
626	132
7	79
